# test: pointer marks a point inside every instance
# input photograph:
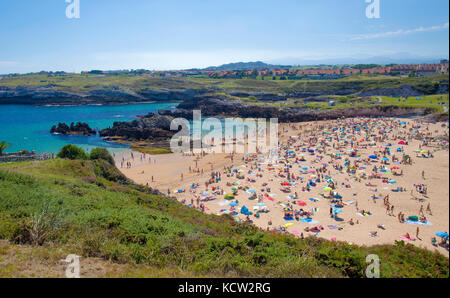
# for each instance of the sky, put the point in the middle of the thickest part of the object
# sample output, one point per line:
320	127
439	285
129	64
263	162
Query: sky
178	34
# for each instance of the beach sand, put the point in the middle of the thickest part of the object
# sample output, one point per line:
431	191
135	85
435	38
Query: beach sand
166	171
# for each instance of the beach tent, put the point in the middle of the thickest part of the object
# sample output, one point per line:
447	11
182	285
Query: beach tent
442	234
244	210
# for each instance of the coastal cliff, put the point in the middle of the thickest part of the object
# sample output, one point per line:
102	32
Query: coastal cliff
45	95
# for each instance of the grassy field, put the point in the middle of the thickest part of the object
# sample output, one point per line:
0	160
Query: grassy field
52	208
84	82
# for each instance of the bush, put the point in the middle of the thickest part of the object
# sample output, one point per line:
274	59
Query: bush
101	153
72	152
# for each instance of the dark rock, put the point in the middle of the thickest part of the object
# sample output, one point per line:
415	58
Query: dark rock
149	127
80	128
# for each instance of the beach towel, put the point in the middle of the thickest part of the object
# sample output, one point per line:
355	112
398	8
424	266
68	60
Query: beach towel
404	237
331	227
413	222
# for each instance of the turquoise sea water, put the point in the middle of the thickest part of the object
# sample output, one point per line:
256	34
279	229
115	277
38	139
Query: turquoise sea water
28	127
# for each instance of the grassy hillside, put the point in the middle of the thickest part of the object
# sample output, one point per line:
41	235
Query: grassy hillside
84	82
57	207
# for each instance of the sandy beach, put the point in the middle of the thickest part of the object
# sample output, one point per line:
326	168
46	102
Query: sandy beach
363	181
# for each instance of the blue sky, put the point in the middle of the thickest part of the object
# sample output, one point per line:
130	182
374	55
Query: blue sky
177	34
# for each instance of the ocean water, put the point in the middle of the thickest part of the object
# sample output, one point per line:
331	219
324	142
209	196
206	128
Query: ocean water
28	127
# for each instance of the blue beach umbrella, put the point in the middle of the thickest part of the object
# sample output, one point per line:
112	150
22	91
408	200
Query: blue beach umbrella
373	156
442	234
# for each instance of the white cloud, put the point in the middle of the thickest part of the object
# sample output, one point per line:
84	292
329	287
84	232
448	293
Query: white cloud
399	32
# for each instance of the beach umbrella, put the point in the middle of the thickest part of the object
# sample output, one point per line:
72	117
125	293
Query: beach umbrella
385	158
260	204
373	156
442	234
401	143
234	188
392	181
234	204
287	209
301	203
285	183
337	196
395	168
288	225
336	210
327	188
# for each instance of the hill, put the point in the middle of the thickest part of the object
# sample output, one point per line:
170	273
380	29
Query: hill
53	208
245	66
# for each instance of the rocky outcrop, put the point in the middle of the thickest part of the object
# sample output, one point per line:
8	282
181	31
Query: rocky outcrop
222	106
152	126
107	95
80	128
403	91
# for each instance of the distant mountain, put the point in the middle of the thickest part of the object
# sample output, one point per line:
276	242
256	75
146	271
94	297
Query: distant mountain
245	66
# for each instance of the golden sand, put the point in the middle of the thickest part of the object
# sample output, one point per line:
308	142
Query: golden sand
171	172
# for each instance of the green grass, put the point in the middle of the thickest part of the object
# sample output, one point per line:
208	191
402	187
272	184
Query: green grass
431	101
357	83
80	208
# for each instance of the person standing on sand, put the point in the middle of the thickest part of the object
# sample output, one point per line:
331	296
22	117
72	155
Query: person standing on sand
429	209
417	233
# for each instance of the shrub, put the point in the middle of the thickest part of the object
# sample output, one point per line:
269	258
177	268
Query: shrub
101	153
72	152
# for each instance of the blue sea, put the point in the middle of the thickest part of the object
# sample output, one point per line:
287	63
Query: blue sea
27	127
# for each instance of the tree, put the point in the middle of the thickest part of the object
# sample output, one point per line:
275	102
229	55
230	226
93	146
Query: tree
3	146
101	153
72	152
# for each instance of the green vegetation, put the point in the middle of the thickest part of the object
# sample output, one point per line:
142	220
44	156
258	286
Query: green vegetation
132	83
152	151
434	102
72	152
3	146
101	153
77	206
